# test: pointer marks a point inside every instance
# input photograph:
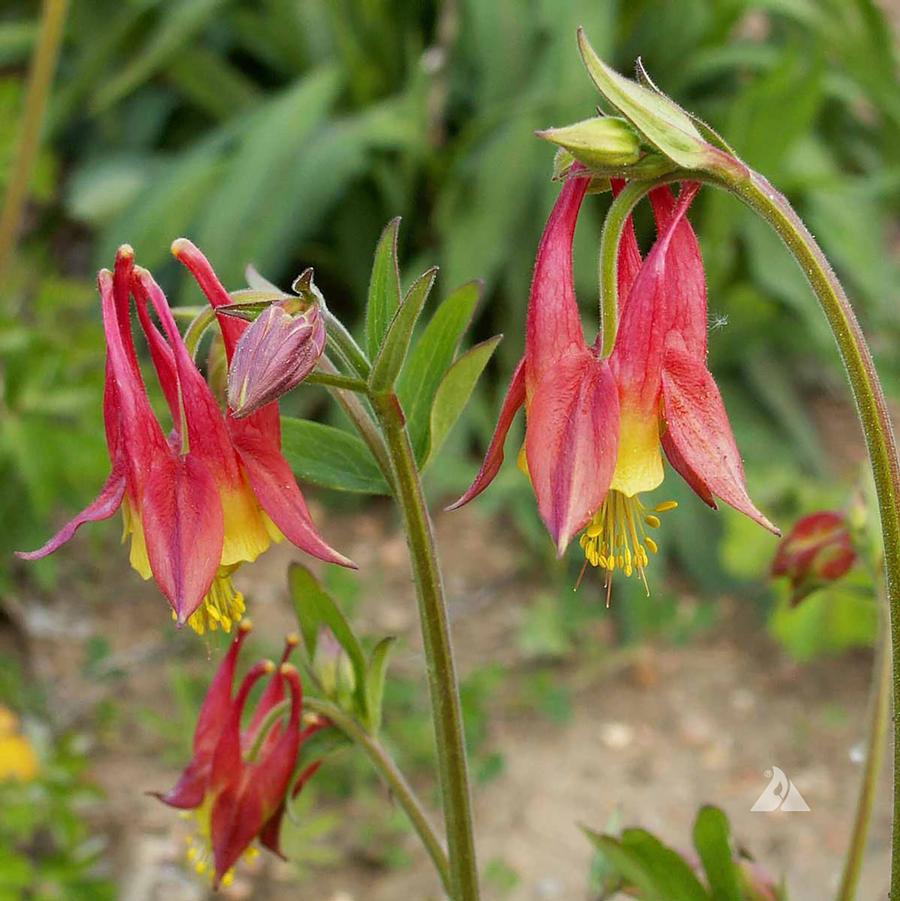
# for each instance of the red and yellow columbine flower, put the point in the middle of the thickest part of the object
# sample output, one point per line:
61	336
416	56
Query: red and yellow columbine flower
213	494
238	780
819	549
596	428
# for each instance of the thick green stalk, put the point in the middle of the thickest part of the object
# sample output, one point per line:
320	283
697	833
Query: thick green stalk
876	739
442	682
40	78
389	771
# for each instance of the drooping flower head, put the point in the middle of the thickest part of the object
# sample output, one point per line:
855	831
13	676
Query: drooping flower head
211	495
596	428
238	780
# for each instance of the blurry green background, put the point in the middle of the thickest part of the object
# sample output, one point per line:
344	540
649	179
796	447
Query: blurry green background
287	132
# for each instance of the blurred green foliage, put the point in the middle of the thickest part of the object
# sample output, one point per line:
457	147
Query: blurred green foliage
48	848
287	134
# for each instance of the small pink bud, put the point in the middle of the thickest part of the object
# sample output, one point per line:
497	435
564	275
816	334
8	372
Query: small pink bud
819	549
275	354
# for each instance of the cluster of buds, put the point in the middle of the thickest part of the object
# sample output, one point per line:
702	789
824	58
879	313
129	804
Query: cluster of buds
239	781
652	136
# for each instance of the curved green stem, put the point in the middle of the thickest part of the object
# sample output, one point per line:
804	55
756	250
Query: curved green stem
871	406
344	344
446	709
360	416
194	332
390	772
876	739
40	78
608	263
336	380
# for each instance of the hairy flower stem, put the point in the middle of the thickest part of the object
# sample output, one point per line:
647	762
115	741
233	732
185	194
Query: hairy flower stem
876	739
442	682
40	77
390	772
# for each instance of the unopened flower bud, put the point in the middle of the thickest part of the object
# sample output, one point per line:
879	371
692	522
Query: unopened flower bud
279	349
601	142
661	122
332	667
818	550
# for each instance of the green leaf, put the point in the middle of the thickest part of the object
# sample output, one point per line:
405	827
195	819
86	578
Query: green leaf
429	360
712	839
384	288
330	457
643	861
454	392
663	123
316	608
395	345
378	662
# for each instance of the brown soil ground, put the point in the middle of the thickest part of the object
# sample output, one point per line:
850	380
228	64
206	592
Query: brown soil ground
654	733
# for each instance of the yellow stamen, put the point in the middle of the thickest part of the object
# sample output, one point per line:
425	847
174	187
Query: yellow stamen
616	537
222	607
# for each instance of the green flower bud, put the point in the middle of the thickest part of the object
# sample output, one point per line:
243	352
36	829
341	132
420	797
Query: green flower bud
600	143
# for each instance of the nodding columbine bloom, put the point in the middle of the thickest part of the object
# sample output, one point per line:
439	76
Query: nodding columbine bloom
238	780
213	494
596	427
819	549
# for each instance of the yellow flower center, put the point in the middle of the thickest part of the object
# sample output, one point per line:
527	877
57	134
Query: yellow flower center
222	607
616	537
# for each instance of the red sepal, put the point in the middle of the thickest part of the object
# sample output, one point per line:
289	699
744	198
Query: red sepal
279	495
571	442
191	787
493	459
184	530
698	428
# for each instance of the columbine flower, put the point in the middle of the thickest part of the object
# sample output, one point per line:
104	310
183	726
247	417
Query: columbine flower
238	780
212	495
819	549
595	428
